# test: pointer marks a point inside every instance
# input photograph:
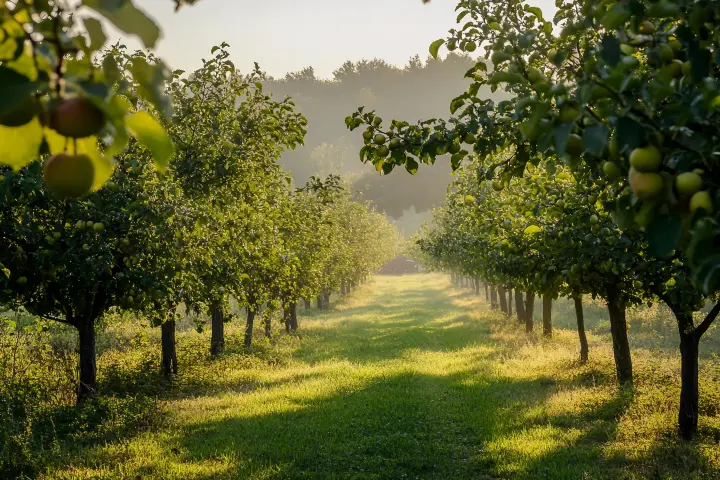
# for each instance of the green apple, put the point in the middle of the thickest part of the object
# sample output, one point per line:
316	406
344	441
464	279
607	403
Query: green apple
646	159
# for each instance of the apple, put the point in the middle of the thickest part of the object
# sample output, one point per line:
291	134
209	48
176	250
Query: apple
611	170
98	227
647	27
568	113
383	151
470	47
687	183
574	145
76	117
701	200
69	175
645	185
647	159
470	139
497	186
665	52
380	139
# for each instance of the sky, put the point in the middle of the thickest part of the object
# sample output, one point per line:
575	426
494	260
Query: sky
287	35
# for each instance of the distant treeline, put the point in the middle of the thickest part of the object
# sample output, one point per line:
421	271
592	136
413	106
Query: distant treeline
419	90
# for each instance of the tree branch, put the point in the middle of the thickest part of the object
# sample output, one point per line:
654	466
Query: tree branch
709	319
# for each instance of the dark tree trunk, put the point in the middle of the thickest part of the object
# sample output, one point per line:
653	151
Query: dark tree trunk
503	299
293	317
342	289
326	300
510	302
217	325
547	316
580	316
249	326
307	303
87	387
689	390
529	312
519	306
621	345
320	302
477	286
169	353
493	298
487	293
267	323
349	288
286	318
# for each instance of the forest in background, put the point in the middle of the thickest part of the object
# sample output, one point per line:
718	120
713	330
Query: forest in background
330	149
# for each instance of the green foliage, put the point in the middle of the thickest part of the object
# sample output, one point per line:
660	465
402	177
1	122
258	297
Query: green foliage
637	75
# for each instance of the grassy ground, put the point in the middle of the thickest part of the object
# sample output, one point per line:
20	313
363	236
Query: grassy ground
408	378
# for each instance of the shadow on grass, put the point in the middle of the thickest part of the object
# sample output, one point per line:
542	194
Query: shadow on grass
408	426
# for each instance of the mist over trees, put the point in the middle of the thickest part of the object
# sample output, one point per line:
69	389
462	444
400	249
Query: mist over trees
329	149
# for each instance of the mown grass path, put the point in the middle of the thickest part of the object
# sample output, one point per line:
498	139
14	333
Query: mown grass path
409	378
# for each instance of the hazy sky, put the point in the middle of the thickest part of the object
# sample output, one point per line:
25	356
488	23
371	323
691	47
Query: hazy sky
287	35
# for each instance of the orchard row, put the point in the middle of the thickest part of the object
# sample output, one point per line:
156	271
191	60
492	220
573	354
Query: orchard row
221	222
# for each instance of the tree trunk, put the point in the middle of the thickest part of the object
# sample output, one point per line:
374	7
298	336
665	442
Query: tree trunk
342	289
519	306
87	386
621	346
493	298
510	302
169	353
487	293
503	299
477	286
326	300
320	302
307	303
217	325
293	317
348	288
689	390
249	326
579	314
267	323
547	316
529	312
452	279
286	317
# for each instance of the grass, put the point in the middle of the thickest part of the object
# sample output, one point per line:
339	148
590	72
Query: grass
407	378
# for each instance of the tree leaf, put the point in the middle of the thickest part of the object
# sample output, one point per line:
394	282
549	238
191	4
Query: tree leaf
15	88
535	11
595	138
457	103
150	133
629	133
151	79
128	18
411	165
95	32
435	47
611	50
20	145
663	234
561	135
